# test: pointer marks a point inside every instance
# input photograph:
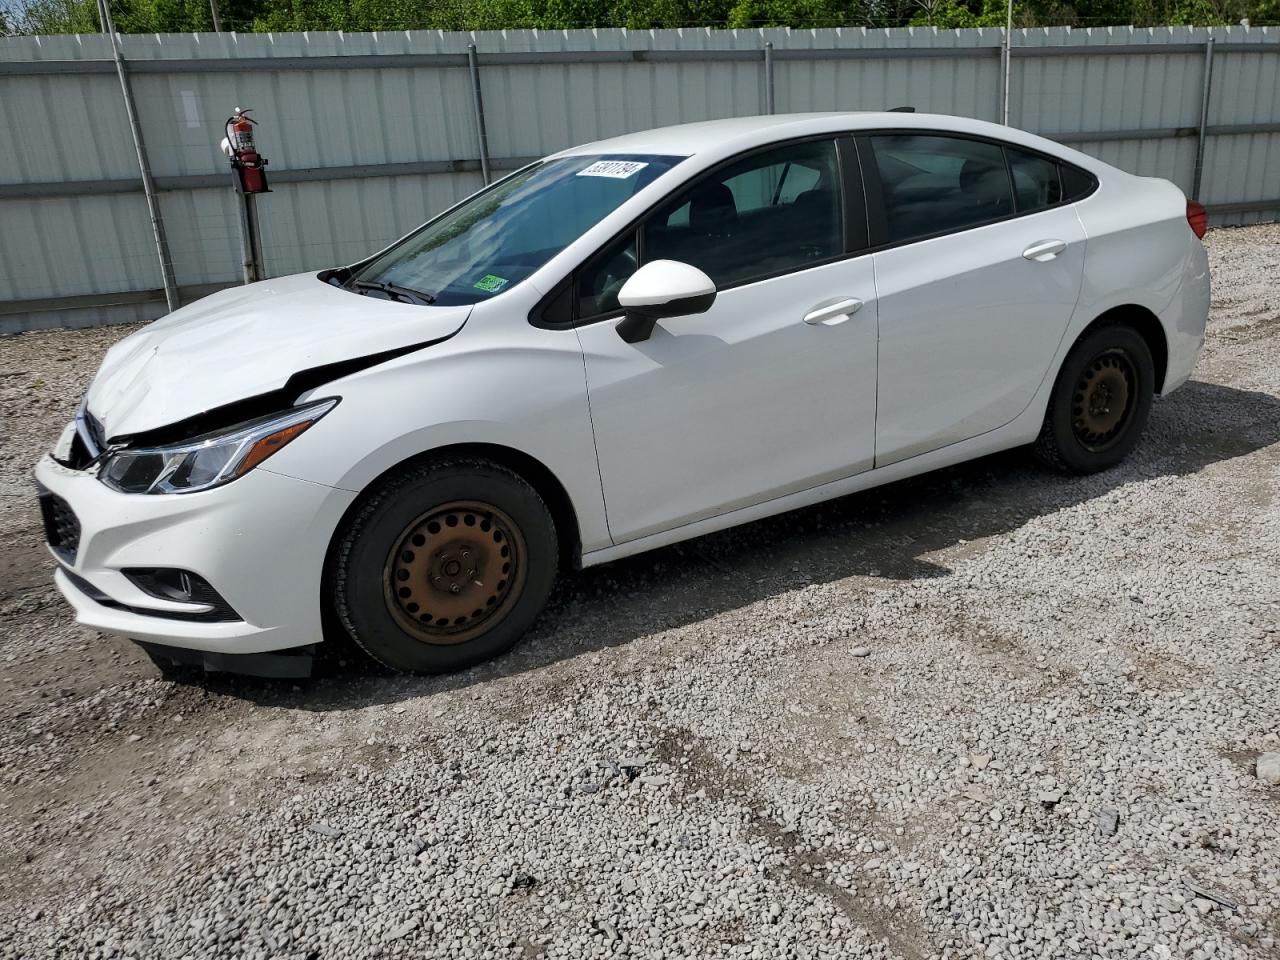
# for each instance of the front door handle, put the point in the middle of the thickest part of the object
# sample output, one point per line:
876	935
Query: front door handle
833	313
1044	250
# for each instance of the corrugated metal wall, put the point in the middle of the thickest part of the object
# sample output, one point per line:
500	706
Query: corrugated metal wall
370	134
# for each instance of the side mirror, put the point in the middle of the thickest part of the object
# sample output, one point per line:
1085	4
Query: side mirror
661	289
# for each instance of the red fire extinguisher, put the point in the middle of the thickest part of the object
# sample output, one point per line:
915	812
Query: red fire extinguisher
250	166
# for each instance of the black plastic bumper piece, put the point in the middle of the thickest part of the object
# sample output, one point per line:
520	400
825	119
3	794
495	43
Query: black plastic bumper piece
293	663
61	526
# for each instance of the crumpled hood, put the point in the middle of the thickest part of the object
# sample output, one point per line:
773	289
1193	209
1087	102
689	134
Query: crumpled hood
246	341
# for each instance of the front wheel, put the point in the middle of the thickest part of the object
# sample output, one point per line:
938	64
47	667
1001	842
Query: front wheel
444	566
1100	402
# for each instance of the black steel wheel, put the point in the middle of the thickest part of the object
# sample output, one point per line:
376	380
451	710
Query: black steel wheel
1100	402
455	572
444	565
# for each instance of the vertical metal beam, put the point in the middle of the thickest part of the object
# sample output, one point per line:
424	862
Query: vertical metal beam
768	77
1198	175
248	259
213	10
474	62
1006	65
144	167
255	237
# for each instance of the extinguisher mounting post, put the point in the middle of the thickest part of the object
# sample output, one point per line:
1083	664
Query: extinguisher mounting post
250	179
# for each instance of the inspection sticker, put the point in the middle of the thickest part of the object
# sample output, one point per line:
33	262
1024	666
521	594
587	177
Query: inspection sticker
614	169
490	283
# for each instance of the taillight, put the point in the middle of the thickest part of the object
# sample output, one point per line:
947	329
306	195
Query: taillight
1198	217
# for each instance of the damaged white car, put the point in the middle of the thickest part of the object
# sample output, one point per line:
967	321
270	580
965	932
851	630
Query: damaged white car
618	347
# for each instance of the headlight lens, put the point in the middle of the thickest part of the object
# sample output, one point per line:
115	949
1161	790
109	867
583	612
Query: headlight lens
210	460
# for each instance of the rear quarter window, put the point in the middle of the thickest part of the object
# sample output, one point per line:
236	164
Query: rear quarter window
1076	183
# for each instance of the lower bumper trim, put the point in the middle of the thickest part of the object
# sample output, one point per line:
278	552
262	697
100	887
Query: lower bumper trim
287	664
217	614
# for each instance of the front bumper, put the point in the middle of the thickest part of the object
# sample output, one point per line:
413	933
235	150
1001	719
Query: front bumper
260	541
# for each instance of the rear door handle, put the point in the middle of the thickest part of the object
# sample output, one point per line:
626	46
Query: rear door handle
1044	250
833	313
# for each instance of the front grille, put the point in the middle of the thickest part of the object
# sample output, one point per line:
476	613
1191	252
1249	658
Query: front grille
61	527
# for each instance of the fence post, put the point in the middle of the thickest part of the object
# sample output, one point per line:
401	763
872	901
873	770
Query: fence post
478	102
1006	64
1204	119
768	77
144	166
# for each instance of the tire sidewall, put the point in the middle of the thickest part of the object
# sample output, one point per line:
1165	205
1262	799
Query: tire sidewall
1072	451
377	528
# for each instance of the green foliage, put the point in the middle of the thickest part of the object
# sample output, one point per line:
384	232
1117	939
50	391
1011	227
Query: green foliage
957	14
54	16
146	16
953	14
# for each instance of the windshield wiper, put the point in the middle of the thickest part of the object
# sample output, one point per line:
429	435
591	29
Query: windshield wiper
402	293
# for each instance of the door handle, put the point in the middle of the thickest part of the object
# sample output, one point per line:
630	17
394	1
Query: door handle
833	313
1044	250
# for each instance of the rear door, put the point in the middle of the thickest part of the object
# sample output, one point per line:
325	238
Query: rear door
978	274
769	392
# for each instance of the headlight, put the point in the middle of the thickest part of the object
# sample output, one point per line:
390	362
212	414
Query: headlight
210	460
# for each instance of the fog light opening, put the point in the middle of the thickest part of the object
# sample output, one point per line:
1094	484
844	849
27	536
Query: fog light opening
181	586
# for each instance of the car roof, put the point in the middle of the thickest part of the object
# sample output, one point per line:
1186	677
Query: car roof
686	139
724	137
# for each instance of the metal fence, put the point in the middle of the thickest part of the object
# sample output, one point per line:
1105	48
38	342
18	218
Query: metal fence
370	134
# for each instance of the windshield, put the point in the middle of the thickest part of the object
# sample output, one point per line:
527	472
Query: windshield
503	234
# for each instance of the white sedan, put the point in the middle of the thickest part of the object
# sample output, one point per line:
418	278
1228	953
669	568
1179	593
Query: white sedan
622	346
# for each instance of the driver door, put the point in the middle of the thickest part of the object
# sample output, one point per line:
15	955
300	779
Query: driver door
772	390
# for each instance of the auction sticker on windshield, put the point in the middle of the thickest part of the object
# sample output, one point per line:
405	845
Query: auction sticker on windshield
490	283
616	169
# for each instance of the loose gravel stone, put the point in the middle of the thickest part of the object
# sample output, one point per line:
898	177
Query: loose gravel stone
1268	768
1107	821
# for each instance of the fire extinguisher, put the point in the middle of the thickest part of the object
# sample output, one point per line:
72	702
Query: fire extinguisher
250	166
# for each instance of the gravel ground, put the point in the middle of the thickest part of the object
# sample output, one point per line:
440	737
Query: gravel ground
988	712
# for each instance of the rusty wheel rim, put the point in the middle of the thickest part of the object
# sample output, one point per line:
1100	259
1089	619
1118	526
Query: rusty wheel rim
1100	404
455	572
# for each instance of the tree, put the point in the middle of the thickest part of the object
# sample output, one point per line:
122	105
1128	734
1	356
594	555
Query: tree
145	16
956	14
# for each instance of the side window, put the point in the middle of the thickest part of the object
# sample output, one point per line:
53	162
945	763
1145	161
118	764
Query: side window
773	212
598	281
1035	180
934	184
1076	184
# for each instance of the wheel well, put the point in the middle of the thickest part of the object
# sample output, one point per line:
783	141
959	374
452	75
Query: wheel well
537	474
1148	327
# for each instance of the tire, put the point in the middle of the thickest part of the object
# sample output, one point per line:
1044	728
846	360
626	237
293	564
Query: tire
444	566
1084	430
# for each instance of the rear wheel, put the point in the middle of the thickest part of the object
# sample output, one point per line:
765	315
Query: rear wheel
1100	402
444	566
